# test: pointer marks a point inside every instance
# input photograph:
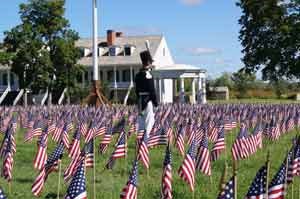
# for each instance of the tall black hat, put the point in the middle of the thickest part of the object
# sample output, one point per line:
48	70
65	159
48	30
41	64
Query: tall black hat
146	58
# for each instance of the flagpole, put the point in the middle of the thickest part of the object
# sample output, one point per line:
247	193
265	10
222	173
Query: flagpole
94	169
235	178
268	173
58	184
286	172
223	178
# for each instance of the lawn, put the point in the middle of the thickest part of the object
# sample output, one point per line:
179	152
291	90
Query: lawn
110	183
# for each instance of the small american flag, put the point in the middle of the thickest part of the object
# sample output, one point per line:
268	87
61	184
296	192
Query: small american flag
187	169
105	141
130	190
77	188
160	138
8	157
89	154
203	157
180	141
91	132
65	137
228	192
166	184
257	189
51	165
143	152
2	195
41	155
219	146
277	188
75	146
119	152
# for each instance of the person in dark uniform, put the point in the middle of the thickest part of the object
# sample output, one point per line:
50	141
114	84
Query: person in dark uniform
145	92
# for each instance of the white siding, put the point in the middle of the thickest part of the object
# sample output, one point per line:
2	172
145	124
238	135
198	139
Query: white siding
162	56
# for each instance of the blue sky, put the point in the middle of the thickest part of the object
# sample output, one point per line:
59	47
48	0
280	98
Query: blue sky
199	32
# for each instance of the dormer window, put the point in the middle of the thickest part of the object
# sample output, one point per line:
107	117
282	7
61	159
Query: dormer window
85	52
114	50
128	50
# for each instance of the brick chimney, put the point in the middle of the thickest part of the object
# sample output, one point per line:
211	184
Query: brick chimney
119	34
111	37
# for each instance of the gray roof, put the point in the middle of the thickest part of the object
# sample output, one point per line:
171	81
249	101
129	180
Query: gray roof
134	59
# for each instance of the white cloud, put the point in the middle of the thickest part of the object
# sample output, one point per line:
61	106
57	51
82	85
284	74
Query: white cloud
191	2
201	51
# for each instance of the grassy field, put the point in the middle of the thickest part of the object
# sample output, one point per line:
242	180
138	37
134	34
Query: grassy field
110	183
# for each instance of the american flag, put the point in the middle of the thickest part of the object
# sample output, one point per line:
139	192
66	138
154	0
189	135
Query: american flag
119	152
180	140
2	195
130	190
7	154
203	157
257	189
51	165
143	152
65	137
71	169
166	183
89	154
105	141
228	192
238	149
219	146
41	155
100	130
75	146
83	128
160	138
77	188
277	188
91	132
57	132
187	169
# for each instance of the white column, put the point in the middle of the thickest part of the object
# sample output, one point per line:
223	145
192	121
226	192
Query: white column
160	90
199	92
203	90
131	76
8	79
182	94
95	40
115	77
194	91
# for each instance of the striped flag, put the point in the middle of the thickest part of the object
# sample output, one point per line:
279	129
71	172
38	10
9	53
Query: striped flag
180	140
75	146
143	152
77	188
105	141
51	165
257	189
160	138
219	146
166	183
89	154
119	152
41	155
91	132
203	157
7	155
187	169
130	190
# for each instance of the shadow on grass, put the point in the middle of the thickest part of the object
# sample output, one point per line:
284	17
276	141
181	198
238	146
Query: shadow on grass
24	180
53	196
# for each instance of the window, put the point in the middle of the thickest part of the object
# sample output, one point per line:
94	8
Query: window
164	51
4	79
12	79
127	51
86	75
111	77
126	75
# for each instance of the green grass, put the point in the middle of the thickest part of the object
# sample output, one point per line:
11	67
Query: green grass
110	183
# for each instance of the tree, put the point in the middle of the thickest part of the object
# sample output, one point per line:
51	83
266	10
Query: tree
270	37
242	82
43	46
224	80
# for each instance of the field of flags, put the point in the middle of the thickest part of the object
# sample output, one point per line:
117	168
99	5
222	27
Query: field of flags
193	151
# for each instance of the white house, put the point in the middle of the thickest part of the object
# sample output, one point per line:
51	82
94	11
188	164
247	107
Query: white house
119	61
